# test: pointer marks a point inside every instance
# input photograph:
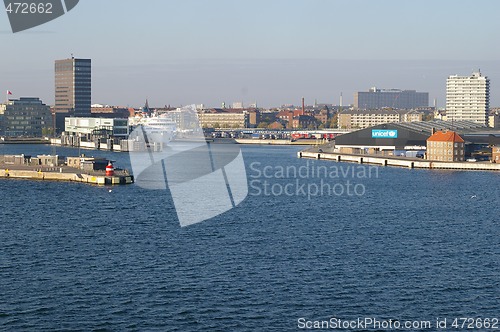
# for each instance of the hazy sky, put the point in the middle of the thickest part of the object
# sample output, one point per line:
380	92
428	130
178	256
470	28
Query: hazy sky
273	51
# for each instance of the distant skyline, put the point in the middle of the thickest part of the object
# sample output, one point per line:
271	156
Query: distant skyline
269	52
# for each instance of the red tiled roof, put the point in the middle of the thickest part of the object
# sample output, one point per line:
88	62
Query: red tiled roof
449	136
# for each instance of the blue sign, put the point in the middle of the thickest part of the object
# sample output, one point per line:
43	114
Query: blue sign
384	133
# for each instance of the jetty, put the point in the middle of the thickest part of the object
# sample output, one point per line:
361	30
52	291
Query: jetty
279	141
398	161
23	140
98	171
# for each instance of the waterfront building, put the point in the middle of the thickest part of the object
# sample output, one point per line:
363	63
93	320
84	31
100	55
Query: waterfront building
495	153
446	146
73	89
468	98
27	117
393	98
414	135
223	118
355	118
90	128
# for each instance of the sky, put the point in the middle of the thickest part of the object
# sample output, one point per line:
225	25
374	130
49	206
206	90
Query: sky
272	52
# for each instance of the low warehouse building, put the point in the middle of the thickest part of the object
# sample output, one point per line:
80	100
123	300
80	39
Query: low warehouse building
402	136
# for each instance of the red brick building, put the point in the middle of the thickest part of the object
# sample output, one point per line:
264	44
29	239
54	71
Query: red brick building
446	146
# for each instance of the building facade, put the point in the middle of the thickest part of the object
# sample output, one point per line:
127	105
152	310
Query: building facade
393	98
468	98
304	121
350	119
73	89
96	127
446	146
223	118
384	137
495	154
101	111
494	119
26	117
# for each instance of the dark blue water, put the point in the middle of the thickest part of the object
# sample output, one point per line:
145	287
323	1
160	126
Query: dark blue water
415	246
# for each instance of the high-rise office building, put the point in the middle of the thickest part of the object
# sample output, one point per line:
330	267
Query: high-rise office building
468	98
393	98
73	89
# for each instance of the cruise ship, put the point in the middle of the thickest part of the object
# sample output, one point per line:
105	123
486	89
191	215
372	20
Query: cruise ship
158	128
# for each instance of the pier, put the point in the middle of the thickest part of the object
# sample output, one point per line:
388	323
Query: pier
280	141
56	175
399	161
48	168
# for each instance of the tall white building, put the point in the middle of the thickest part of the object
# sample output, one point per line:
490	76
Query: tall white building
468	98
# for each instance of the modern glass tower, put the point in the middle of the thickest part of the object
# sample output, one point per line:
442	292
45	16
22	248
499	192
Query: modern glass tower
468	98
73	89
73	86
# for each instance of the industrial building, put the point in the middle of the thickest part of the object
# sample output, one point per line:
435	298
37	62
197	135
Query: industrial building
394	98
414	135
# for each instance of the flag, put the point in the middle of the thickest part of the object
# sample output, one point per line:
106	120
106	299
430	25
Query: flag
9	92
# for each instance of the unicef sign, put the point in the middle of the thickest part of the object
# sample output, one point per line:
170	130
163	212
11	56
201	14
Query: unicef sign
384	133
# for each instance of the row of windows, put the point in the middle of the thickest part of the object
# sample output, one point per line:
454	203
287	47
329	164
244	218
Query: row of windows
444	144
456	152
26	123
445	158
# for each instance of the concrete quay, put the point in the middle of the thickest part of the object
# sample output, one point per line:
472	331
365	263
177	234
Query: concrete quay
400	162
67	174
279	141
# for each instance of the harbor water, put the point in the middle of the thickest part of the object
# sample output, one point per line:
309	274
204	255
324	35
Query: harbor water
313	239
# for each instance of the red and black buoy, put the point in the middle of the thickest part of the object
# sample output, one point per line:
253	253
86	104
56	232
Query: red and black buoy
110	170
